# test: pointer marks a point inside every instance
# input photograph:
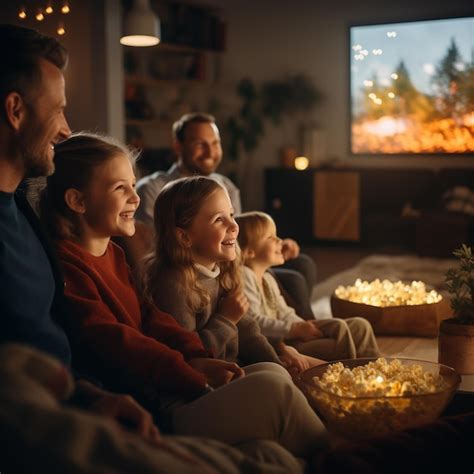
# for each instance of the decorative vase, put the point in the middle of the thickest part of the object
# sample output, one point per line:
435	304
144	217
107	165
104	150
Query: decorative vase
456	346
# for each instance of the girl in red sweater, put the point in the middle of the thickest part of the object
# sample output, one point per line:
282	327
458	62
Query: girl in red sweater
133	346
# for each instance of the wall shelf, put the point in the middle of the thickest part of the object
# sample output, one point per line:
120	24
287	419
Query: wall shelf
174	77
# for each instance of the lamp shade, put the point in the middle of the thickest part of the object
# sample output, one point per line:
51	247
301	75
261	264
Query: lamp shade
141	26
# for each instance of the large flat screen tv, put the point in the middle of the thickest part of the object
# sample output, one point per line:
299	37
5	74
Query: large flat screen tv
412	87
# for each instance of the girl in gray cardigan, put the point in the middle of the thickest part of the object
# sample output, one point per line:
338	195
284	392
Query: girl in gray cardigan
194	273
328	339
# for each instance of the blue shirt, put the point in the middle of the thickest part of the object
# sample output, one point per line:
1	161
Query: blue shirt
27	286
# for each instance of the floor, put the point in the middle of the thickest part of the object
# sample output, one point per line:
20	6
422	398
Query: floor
332	260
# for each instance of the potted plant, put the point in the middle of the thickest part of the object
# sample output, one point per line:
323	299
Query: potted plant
273	100
456	336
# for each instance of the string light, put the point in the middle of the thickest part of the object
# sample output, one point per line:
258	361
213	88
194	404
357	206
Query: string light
65	9
61	31
22	13
48	9
39	16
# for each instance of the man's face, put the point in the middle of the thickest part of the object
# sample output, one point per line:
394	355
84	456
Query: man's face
44	124
201	150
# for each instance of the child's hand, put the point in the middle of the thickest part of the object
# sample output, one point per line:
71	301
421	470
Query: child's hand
293	360
304	331
233	306
217	372
290	249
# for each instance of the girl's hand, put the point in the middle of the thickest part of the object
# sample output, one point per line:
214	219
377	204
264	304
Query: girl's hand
304	331
290	249
217	372
233	306
293	360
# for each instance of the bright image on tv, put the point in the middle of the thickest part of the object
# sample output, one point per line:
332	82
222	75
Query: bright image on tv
412	87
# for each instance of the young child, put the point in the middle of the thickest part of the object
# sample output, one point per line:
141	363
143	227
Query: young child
134	347
195	275
328	339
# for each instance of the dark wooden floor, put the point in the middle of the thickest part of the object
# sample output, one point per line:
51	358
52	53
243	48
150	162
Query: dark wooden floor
332	260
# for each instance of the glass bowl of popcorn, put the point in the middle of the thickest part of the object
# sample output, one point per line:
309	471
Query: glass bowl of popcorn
361	398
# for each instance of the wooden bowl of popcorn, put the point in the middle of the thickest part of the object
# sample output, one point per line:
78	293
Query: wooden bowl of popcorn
393	308
362	398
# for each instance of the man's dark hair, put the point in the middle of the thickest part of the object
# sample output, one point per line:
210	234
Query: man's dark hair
20	51
179	127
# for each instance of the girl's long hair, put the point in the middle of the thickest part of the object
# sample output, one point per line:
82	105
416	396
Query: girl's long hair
176	207
75	160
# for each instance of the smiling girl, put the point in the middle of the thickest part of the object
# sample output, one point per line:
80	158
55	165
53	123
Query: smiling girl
131	345
195	275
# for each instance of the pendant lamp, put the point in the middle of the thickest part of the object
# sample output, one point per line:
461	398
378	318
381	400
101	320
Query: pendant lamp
141	26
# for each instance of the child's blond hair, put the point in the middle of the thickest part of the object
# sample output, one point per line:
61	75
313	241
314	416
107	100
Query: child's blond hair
176	207
253	226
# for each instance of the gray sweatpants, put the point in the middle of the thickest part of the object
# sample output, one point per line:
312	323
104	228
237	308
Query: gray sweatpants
265	404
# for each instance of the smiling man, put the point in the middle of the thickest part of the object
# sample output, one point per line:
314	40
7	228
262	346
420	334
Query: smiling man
32	122
197	143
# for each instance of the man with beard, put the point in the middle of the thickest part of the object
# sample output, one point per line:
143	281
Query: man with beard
32	121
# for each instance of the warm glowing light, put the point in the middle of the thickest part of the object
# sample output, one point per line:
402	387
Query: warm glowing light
387	293
368	83
394	76
39	16
22	13
65	9
391	95
378	101
372	96
48	9
139	40
61	31
301	162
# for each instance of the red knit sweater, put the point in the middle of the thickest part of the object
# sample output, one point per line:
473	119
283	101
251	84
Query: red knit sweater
115	337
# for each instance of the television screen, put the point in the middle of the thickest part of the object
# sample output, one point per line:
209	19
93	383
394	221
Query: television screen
412	87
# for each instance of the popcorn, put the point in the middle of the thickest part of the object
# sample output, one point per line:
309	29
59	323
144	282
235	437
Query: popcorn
387	293
378	398
379	379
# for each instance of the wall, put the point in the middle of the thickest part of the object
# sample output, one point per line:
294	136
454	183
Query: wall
269	38
86	74
266	39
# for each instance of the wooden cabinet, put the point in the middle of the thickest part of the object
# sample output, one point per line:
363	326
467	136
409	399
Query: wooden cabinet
314	204
336	205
